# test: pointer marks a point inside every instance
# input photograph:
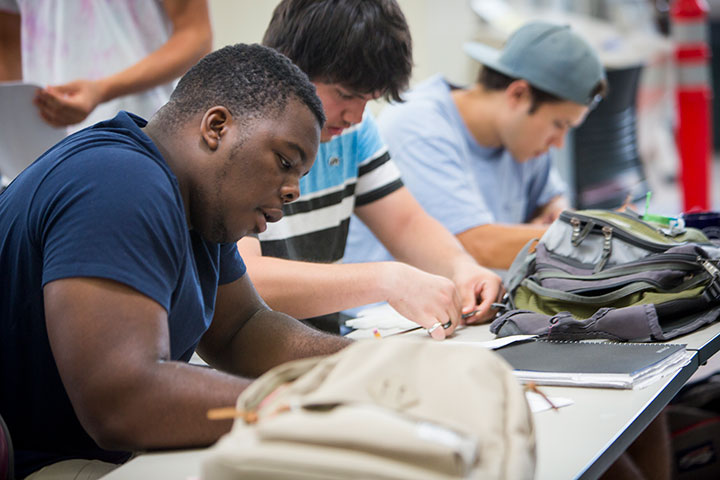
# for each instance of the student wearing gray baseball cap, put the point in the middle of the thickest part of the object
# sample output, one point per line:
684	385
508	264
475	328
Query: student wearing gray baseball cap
551	58
478	158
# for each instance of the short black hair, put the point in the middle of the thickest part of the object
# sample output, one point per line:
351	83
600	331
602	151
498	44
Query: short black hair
491	80
249	80
364	45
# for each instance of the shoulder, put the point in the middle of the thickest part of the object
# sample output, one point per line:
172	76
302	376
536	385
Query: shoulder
356	144
428	111
115	150
108	167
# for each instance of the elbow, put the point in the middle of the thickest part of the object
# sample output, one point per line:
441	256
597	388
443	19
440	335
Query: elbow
115	414
487	253
112	430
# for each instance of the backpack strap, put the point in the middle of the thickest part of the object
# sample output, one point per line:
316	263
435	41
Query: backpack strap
712	292
519	270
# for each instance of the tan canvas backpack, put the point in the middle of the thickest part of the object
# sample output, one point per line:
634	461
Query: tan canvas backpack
382	409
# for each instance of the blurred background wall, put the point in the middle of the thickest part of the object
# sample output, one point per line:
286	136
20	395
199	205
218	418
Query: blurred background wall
626	32
438	29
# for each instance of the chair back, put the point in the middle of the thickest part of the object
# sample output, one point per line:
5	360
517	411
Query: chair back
6	453
607	166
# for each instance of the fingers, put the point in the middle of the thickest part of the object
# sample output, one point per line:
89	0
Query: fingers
479	294
470	307
452	316
60	106
438	330
489	293
443	324
46	107
52	109
436	311
431	301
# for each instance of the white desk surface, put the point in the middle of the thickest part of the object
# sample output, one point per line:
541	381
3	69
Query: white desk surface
578	441
582	440
705	340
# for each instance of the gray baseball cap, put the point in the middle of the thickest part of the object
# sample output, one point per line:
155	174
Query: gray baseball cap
550	57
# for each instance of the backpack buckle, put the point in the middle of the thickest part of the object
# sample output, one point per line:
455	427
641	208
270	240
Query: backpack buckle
578	235
712	291
607	248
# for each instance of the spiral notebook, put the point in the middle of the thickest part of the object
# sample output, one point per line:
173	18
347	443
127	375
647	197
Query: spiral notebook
594	364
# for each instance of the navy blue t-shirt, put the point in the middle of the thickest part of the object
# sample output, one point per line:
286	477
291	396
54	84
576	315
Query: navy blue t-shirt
102	203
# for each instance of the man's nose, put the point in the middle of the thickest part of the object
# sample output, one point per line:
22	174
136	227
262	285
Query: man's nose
558	141
290	192
354	111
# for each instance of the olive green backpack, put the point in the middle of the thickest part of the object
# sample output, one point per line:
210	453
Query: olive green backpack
608	274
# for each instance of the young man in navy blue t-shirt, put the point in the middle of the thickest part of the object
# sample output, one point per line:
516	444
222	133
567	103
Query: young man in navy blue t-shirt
118	261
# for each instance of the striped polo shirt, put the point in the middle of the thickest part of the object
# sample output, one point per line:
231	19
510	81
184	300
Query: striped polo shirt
352	169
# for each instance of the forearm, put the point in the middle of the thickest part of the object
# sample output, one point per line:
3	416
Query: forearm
496	246
269	339
164	407
413	236
425	243
304	289
10	56
182	50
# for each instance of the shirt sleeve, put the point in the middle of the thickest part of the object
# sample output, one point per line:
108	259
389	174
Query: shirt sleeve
378	175
232	265
118	220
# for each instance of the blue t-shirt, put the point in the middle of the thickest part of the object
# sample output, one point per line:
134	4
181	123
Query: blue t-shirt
101	203
351	170
459	182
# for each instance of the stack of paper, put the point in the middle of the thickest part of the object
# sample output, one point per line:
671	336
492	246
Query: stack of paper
594	364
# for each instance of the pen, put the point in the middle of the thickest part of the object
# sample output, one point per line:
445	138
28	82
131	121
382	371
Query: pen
444	325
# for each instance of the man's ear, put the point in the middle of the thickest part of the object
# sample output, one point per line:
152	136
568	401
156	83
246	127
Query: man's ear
518	92
215	125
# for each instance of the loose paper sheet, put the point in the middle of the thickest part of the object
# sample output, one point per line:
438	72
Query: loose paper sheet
24	135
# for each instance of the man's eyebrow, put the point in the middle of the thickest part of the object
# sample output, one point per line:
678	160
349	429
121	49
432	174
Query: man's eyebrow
355	93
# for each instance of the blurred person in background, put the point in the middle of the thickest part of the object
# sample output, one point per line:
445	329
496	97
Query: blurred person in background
93	59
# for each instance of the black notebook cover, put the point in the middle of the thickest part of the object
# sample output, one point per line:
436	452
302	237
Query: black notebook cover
589	363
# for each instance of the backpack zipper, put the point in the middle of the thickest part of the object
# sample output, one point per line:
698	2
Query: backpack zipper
568	217
671	258
622	292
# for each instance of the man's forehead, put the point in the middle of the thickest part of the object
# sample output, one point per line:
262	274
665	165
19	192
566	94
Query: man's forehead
367	96
565	110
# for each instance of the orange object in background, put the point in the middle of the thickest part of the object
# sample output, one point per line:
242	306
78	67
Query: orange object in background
689	31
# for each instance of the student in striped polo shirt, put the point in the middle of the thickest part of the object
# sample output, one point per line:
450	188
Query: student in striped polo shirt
355	51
